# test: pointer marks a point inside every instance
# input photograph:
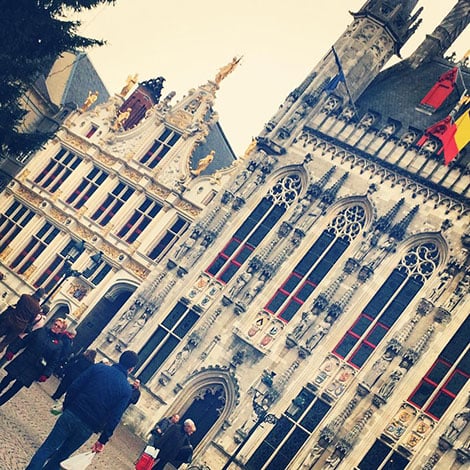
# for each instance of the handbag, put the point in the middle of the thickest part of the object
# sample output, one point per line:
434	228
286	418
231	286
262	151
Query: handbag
78	462
147	458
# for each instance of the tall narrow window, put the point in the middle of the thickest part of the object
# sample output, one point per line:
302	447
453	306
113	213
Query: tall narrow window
381	456
160	148
57	269
87	187
447	376
165	339
317	262
38	243
12	222
58	170
388	303
114	201
290	433
255	228
142	216
169	239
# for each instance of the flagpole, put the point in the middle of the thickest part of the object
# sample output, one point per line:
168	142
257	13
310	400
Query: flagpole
340	70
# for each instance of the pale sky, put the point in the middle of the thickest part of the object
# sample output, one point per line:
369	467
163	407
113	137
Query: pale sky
187	41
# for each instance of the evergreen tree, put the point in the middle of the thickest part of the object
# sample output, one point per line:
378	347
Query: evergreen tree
33	33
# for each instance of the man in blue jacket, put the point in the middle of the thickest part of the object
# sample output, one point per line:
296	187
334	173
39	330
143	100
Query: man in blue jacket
95	402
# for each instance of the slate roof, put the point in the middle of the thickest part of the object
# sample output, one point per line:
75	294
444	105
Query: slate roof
82	79
224	155
397	91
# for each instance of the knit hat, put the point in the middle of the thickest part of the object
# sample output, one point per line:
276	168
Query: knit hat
128	359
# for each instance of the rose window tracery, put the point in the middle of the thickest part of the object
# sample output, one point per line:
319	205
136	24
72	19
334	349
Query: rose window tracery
285	191
349	222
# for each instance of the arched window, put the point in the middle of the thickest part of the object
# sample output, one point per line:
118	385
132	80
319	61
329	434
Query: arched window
316	263
291	431
388	303
255	228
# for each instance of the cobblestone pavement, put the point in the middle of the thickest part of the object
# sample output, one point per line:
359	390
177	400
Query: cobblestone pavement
26	420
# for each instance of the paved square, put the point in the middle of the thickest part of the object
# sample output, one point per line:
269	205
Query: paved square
26	420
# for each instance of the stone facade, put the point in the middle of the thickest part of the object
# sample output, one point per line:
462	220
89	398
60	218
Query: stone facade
313	312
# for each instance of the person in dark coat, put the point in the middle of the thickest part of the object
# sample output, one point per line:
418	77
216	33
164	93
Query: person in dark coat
175	446
15	320
36	362
95	402
73	369
160	428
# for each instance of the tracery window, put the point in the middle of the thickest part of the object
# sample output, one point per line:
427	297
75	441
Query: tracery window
160	148
169	239
446	377
87	187
317	262
388	303
113	202
15	218
255	228
165	339
58	170
291	431
38	243
139	220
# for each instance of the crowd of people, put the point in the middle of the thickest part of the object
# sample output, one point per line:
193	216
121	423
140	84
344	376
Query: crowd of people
96	394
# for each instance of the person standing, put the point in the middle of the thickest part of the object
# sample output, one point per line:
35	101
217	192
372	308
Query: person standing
73	369
38	359
175	446
15	320
94	403
160	428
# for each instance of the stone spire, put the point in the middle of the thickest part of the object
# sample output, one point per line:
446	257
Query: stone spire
450	28
395	16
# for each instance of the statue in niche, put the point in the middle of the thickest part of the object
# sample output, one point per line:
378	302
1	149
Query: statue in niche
179	359
320	330
239	180
125	318
299	210
332	461
254	182
91	98
240	283
313	456
135	328
445	278
184	247
388	387
203	163
130	82
376	371
457	425
298	331
254	291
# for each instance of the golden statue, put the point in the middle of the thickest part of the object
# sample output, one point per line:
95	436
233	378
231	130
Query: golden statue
203	163
91	98
130	82
250	147
121	118
226	69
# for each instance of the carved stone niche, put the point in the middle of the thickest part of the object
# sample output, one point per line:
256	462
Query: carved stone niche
351	266
442	316
424	307
227	196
